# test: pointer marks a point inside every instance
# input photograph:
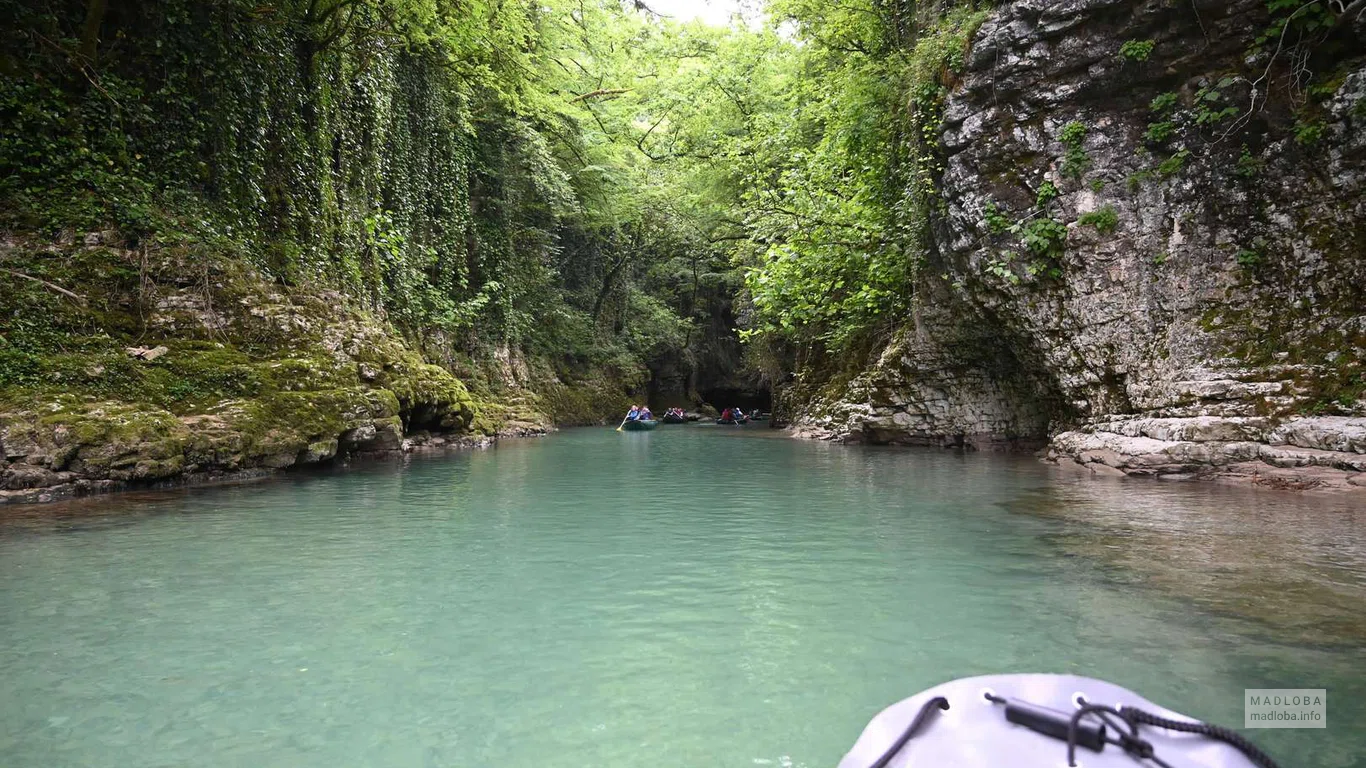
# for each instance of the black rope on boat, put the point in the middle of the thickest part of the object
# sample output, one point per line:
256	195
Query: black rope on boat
1058	725
938	702
1130	742
1226	735
1141	749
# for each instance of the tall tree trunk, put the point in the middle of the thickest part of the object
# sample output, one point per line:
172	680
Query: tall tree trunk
90	30
607	281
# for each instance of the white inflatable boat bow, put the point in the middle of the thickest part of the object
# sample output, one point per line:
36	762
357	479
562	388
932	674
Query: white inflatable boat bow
1043	721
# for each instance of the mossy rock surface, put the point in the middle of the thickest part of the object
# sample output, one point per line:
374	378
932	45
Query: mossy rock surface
584	403
431	398
252	377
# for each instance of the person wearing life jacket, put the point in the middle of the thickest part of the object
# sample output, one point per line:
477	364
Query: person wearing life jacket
634	413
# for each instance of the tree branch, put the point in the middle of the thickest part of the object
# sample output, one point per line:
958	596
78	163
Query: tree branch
600	92
1356	7
59	289
640	143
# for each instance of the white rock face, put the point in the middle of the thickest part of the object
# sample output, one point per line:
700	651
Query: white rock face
1289	454
1219	329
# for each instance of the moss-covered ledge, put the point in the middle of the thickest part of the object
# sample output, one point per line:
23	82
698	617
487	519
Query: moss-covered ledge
145	377
63	445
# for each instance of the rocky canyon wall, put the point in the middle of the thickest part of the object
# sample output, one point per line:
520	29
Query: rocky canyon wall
1148	248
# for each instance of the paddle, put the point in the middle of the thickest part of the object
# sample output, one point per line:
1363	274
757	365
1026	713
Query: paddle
628	418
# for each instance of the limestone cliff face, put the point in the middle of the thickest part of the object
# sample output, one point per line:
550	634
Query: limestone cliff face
1150	251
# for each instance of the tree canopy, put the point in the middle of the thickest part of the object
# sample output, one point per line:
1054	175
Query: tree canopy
585	178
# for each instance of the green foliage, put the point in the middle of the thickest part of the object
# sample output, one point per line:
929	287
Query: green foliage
1001	267
1163	103
1209	103
996	222
839	179
1047	193
1248	165
1104	219
1341	392
446	167
1046	268
1075	160
1136	50
1248	259
1043	236
1158	133
1173	165
1073	133
56	172
1097	184
1309	132
1294	17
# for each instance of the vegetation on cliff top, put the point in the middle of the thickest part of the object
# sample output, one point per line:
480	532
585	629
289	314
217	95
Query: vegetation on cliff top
586	182
473	176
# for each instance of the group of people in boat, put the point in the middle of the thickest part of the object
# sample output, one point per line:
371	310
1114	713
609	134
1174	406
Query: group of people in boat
643	413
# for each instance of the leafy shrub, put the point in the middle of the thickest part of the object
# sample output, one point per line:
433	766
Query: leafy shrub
1174	164
1158	133
1104	220
996	222
1000	267
1044	236
1136	50
1073	133
1047	193
1209	103
1163	102
1248	165
1074	161
1307	133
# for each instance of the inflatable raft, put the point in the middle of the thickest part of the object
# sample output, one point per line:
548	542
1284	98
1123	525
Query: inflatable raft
1043	721
640	425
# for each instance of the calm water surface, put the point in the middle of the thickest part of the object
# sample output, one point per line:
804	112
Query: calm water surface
695	596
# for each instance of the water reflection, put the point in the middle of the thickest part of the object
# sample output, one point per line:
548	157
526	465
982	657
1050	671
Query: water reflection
1296	564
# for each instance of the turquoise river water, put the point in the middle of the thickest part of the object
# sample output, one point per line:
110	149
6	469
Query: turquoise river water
694	596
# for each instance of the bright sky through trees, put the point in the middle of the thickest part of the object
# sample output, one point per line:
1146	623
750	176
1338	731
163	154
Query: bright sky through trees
714	12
